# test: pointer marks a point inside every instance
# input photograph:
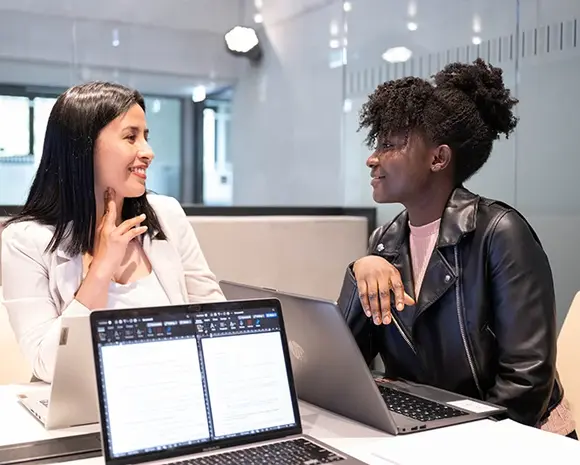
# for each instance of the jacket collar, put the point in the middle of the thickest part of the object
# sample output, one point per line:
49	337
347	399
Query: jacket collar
459	218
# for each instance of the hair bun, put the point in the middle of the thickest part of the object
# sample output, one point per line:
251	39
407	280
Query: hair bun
484	85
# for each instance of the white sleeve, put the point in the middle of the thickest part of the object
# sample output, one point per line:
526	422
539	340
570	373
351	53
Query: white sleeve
32	312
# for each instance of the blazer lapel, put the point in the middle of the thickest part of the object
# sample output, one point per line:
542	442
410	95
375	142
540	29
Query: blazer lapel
165	263
68	275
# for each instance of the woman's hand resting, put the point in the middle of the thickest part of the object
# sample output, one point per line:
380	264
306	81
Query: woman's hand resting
376	278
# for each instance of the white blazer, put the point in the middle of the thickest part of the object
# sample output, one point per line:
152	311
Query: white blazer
39	287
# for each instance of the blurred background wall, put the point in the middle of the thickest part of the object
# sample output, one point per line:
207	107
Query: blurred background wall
284	132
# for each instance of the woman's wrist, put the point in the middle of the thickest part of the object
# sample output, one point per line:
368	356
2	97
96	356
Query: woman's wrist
94	290
99	272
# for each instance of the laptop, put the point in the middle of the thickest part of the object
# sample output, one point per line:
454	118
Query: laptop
71	398
200	384
330	372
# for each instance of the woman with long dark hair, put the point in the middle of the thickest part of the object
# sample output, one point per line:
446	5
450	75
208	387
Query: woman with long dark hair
89	235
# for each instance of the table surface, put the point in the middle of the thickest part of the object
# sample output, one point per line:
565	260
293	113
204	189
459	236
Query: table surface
479	442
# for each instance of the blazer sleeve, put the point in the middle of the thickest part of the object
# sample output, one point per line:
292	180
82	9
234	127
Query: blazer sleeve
361	327
200	282
524	313
32	312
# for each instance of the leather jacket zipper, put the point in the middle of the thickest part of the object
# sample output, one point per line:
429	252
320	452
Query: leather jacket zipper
462	323
403	335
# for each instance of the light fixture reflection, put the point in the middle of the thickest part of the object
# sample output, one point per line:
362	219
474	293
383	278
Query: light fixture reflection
397	55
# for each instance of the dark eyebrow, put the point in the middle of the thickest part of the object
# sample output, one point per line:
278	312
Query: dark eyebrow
137	129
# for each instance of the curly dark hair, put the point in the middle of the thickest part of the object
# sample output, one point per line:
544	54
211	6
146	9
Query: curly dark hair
467	107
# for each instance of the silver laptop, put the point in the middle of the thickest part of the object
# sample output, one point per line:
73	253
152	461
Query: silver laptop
200	384
330	372
71	399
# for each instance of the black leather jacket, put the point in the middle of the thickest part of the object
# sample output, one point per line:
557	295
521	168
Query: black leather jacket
485	321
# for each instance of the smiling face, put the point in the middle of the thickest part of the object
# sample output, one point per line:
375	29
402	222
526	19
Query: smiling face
122	154
403	167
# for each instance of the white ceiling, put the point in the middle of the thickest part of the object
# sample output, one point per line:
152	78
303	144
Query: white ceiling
191	15
164	46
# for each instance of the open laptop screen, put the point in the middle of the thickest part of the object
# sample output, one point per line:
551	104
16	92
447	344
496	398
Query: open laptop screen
171	378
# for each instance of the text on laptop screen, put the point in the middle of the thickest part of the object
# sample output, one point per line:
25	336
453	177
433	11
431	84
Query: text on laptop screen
175	380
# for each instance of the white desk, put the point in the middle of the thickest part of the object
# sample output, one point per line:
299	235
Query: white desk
481	442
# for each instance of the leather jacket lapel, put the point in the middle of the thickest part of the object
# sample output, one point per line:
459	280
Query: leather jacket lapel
439	277
459	219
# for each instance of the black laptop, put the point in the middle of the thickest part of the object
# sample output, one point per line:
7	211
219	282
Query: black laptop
200	384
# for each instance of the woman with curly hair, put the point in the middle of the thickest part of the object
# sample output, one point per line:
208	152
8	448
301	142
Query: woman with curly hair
468	276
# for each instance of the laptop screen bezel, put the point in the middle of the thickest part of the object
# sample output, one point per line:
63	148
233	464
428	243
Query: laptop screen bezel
253	304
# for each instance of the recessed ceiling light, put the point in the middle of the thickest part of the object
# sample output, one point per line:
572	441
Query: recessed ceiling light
476	40
412	26
397	55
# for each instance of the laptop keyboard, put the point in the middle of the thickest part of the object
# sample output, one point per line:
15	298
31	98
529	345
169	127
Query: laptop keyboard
416	407
293	452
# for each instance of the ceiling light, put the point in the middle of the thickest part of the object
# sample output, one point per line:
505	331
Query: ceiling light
156	106
347	6
397	55
334	43
412	26
243	41
347	105
258	4
476	24
198	94
258	19
116	40
333	28
476	40
412	8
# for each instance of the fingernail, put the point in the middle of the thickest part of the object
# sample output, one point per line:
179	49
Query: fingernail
142	215
387	319
368	314
400	306
377	321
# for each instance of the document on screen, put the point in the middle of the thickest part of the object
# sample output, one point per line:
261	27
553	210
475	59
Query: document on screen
154	394
247	382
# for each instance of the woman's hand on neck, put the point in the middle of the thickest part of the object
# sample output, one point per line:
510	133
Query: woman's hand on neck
103	197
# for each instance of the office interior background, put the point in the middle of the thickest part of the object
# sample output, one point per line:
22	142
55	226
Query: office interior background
284	132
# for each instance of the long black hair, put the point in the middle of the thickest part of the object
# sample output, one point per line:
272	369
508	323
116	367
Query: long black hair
62	194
